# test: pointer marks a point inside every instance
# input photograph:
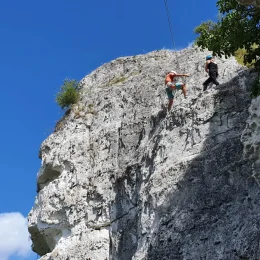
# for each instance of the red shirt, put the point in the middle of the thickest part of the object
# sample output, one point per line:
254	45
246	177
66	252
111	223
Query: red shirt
169	78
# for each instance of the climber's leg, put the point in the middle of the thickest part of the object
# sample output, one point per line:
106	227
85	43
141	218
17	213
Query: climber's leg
205	84
184	90
170	104
213	75
169	91
181	86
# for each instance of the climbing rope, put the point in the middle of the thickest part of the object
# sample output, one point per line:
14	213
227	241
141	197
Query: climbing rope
171	31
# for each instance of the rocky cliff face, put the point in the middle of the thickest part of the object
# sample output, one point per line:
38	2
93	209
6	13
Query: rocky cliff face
122	179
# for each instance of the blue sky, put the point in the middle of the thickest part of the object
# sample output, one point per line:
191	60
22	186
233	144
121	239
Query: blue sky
44	42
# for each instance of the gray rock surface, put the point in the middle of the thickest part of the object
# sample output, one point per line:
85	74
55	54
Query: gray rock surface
122	179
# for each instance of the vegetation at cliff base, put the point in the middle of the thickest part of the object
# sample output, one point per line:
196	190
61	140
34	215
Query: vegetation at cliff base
68	94
236	32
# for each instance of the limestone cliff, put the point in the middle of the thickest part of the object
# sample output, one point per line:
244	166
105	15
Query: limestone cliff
121	179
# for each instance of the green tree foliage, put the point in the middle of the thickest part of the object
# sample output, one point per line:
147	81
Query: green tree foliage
238	27
240	57
68	94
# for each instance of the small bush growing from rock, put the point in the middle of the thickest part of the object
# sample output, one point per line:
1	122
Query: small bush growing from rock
68	94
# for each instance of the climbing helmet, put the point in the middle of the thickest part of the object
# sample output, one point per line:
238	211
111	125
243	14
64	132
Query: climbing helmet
208	57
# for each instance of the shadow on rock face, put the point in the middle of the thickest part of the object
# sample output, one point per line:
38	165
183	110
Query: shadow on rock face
125	211
214	210
125	216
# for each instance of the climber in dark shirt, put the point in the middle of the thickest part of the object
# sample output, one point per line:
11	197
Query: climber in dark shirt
212	69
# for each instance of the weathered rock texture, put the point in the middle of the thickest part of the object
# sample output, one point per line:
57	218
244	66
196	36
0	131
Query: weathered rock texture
121	179
255	3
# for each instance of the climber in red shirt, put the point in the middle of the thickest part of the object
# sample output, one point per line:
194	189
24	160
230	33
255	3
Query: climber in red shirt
172	85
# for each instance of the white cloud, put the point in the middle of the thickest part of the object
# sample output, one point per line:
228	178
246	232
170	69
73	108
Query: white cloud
14	236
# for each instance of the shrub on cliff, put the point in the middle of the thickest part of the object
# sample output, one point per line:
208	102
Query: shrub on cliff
68	94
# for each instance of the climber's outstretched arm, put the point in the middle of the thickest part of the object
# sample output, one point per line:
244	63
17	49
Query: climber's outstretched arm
182	75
